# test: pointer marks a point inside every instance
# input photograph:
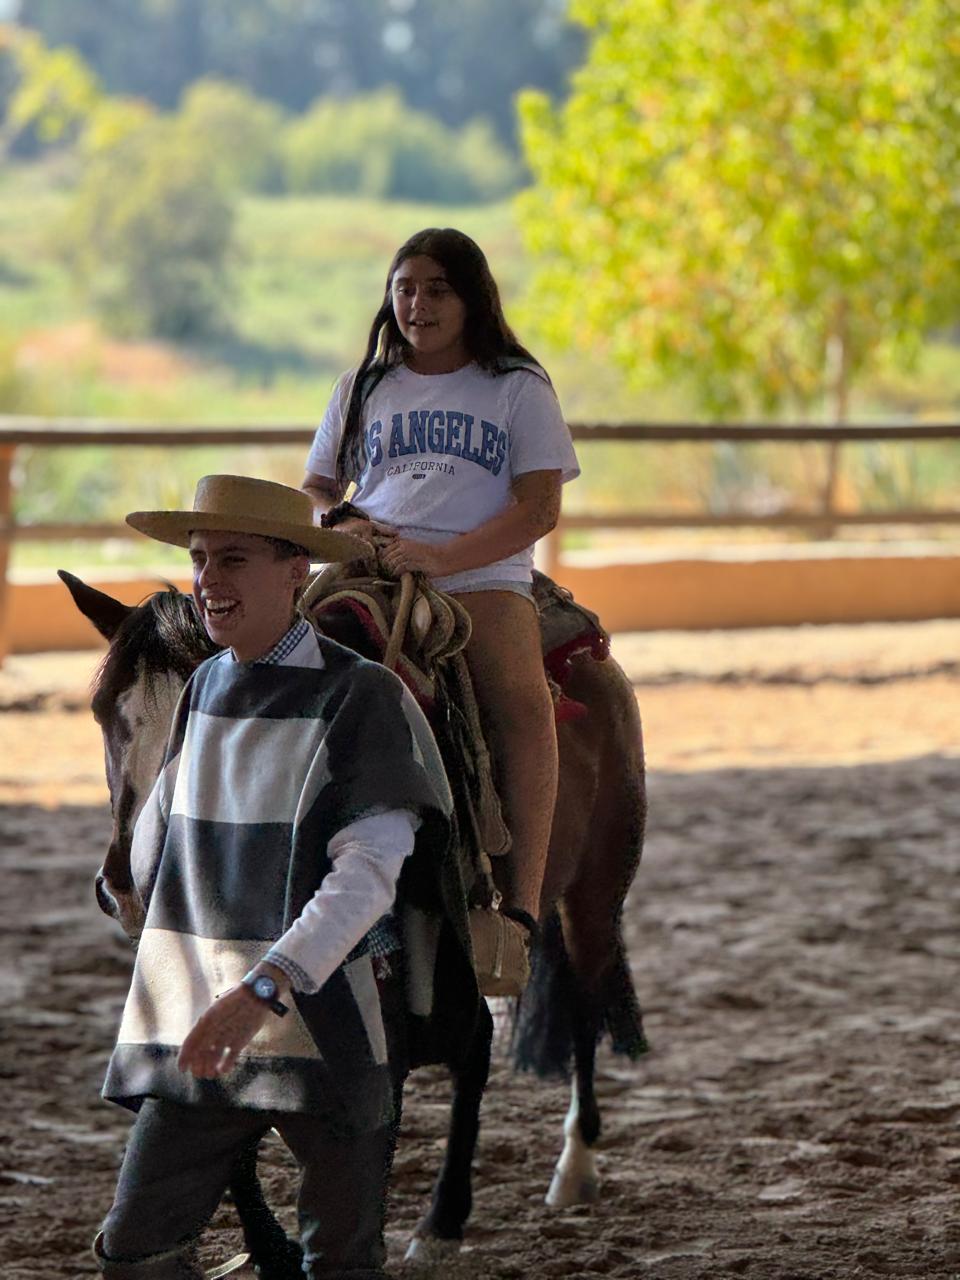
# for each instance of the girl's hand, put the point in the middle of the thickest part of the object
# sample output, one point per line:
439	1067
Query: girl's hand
364	529
403	555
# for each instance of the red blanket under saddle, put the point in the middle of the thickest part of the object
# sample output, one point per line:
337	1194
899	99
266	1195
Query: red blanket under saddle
589	639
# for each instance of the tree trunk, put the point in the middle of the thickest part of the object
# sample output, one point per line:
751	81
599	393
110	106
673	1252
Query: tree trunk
838	392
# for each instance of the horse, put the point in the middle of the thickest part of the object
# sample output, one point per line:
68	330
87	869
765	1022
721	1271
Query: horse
581	986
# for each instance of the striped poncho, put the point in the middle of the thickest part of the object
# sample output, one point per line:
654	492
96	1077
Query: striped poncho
265	764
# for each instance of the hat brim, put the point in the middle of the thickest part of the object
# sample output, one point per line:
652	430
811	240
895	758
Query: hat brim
175	528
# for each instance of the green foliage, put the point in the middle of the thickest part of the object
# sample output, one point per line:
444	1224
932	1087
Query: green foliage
374	145
307	273
112	120
241	133
755	199
13	393
377	146
493	172
149	235
456	61
51	93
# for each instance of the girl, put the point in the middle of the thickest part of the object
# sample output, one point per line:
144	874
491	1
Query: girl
455	441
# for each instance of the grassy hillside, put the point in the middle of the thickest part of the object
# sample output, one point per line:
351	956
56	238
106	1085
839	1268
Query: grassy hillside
308	276
308	273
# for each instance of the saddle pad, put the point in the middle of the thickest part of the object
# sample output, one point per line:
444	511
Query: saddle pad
567	629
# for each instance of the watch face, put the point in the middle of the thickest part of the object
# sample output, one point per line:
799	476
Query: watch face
265	987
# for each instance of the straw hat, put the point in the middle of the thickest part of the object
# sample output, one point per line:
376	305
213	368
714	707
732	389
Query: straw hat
240	504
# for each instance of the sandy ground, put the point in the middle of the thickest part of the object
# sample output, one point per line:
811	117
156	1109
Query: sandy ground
793	931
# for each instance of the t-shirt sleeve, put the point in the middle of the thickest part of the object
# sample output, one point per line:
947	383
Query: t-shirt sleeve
322	458
540	439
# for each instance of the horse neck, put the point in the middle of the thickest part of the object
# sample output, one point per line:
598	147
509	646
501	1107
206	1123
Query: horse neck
136	692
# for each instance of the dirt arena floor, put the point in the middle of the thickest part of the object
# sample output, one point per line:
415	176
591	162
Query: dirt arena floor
794	936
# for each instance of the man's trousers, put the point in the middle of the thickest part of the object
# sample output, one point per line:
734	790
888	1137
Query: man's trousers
177	1166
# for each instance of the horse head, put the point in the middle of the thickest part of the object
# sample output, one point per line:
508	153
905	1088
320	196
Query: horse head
154	646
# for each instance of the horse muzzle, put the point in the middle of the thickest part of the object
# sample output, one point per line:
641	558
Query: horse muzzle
124	907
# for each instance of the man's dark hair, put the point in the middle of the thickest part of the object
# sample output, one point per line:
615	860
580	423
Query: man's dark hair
284	550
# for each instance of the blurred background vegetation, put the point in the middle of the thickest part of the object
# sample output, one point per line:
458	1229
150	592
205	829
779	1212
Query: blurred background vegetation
705	212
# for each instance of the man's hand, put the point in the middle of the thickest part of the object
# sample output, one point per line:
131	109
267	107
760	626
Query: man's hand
222	1032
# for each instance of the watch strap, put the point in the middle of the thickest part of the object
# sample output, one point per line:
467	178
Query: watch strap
277	1006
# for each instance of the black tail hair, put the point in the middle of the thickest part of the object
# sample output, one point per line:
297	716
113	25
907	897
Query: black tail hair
543	1029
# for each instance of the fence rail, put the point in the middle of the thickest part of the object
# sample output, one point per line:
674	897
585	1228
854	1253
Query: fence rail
17	432
78	431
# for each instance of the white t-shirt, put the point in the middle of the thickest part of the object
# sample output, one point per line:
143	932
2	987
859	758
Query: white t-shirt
441	452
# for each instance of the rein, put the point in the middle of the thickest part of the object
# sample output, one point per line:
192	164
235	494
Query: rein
325	579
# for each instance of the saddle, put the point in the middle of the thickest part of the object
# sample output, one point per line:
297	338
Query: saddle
420	633
567	630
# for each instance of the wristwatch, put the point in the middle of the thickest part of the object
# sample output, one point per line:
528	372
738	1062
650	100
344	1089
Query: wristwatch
265	989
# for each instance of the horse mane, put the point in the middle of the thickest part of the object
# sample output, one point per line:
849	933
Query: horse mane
162	636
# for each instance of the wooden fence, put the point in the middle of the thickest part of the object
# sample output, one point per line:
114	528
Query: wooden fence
38	433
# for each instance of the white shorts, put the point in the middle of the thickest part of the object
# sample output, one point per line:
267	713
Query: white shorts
524	589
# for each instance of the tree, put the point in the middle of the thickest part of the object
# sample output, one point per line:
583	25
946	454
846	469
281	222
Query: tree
375	145
240	132
51	93
144	48
51	98
757	198
457	61
149	235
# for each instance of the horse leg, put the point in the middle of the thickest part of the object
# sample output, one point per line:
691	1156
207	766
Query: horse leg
440	1233
575	1179
602	998
272	1252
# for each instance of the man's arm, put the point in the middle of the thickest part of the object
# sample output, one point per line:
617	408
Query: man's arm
360	888
367	856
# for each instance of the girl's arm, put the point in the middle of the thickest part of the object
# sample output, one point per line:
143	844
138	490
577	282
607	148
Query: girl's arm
323	491
533	513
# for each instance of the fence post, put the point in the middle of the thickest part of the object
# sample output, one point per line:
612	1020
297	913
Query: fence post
828	497
6	538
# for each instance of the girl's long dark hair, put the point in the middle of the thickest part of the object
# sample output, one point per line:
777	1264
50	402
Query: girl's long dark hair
491	342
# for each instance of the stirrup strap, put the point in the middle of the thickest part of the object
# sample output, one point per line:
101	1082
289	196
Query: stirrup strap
524	918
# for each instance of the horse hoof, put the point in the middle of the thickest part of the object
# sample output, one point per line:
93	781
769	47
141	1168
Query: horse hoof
431	1251
565	1192
284	1262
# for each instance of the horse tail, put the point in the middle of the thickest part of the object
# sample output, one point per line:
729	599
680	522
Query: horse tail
543	1035
620	1009
543	1030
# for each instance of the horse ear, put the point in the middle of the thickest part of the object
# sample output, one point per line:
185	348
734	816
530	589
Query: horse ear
104	612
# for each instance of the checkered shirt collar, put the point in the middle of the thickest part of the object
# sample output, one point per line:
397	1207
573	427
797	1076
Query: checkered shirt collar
284	646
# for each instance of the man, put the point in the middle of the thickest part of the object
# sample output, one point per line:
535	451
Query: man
298	781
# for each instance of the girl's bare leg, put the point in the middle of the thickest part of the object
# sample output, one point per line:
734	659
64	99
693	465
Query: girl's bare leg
506	666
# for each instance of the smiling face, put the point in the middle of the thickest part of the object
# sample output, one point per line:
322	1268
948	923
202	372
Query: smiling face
430	315
243	591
